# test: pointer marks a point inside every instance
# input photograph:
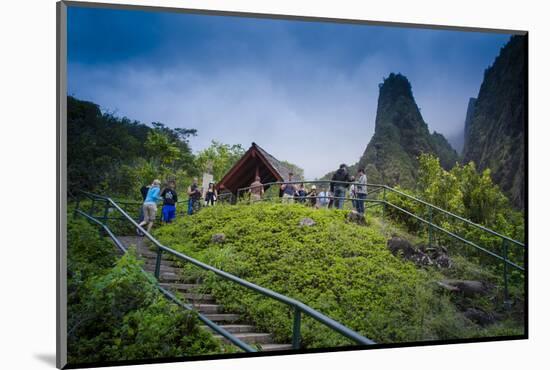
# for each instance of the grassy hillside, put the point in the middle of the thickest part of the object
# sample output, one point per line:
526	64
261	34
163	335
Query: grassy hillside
344	270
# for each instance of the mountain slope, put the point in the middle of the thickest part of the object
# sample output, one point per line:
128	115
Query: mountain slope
495	135
400	136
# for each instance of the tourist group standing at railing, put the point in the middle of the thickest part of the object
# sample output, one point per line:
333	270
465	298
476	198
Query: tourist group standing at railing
331	194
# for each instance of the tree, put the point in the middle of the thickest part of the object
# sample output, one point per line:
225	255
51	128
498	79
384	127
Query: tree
437	186
483	200
218	158
160	149
296	170
116	156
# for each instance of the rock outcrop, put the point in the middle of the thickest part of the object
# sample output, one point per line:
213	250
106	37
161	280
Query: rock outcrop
421	255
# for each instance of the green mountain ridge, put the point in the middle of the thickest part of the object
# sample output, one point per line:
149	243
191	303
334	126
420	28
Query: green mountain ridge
400	136
494	138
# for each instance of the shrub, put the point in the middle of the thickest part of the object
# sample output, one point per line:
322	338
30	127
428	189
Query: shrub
116	313
343	270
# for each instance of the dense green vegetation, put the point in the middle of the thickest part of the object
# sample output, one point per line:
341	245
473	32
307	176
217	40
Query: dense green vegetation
116	155
342	269
465	192
115	312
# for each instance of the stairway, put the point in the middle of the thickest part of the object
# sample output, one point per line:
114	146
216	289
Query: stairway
172	279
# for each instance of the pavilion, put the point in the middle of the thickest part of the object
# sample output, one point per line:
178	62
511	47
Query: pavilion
255	162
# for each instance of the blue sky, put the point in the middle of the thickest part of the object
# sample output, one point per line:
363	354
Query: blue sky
305	91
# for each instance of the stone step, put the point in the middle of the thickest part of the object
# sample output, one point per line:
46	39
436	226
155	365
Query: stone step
182	287
223	317
152	258
234	328
150	253
275	347
207	308
149	267
170	277
199	297
250	338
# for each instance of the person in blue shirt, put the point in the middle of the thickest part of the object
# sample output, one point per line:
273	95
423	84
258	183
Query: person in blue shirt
150	206
289	190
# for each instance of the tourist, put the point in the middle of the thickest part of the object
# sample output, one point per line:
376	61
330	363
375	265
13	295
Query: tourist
353	193
211	195
150	206
256	190
301	194
143	191
324	198
330	196
361	190
289	190
170	198
312	196
194	196
339	185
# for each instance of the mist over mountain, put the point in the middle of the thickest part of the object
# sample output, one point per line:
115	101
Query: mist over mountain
494	137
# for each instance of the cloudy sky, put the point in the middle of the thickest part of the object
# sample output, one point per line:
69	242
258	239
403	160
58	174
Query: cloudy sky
304	91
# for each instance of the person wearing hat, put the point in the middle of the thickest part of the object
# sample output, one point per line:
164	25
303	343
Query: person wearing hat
312	196
150	206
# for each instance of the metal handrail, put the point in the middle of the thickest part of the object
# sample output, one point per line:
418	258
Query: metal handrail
458	237
481	227
239	343
298	306
385	187
384	202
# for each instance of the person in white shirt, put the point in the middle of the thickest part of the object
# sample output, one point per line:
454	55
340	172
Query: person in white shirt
352	193
323	198
361	191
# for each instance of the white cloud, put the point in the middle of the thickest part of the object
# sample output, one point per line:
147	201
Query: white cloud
316	125
299	109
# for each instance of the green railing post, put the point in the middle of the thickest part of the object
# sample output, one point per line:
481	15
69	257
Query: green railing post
296	328
106	212
384	206
77	207
92	208
505	270
157	262
430	233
